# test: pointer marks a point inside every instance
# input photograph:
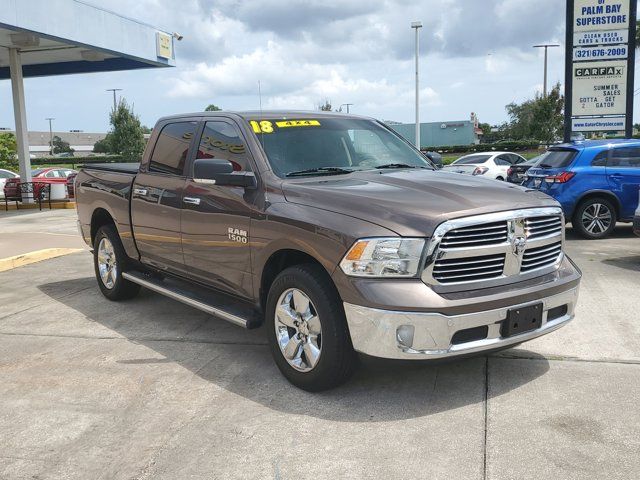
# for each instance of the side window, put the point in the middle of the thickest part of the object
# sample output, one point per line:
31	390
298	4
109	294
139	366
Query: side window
625	158
516	159
52	174
172	148
501	161
222	140
600	160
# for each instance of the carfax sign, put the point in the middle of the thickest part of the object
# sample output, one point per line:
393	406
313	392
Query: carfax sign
599	52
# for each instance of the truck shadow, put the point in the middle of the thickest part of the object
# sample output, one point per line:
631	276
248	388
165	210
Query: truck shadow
239	361
622	230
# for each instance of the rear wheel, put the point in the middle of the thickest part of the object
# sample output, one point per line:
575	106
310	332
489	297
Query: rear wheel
307	329
500	178
109	259
595	218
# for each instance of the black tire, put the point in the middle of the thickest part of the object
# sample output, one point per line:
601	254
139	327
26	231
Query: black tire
120	289
586	209
500	178
337	359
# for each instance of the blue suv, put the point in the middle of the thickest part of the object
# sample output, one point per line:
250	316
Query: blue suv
596	182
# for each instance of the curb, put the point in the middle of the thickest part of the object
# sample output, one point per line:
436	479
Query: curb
10	263
34	206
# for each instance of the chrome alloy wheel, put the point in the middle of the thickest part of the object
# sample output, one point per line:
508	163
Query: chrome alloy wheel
298	330
107	264
596	218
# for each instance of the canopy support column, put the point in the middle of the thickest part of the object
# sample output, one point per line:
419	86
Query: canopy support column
19	112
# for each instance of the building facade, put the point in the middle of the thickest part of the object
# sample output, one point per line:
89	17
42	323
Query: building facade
441	134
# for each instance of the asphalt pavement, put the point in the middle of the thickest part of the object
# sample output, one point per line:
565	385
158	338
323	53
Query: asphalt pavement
150	388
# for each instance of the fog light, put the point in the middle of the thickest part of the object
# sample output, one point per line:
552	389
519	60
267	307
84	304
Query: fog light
404	335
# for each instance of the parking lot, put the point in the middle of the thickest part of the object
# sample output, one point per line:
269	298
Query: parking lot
150	388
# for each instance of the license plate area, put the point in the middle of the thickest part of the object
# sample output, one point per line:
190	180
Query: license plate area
520	320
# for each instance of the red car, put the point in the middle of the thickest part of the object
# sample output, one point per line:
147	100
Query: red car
41	176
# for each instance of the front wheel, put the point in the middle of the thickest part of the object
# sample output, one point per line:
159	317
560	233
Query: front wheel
109	258
594	218
307	330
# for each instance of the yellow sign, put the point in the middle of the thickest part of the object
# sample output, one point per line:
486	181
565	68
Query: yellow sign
163	46
298	123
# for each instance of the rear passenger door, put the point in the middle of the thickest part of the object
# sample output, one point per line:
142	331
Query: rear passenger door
157	196
216	218
623	174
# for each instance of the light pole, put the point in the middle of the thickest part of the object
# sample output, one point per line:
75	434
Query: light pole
546	47
114	90
50	135
347	105
417	26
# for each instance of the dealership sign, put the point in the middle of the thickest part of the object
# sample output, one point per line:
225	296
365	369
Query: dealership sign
600	53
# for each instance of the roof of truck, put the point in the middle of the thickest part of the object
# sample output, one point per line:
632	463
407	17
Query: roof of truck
268	114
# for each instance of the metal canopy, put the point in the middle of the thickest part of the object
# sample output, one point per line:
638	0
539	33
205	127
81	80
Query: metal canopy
57	37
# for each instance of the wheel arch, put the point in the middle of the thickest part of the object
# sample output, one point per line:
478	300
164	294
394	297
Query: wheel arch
277	262
603	194
99	218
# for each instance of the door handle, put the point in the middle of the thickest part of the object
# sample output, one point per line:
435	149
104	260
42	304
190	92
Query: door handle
140	191
191	200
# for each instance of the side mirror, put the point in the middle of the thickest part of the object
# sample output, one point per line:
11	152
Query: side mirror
220	172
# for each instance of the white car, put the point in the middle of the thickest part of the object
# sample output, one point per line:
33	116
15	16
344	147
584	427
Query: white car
4	174
488	164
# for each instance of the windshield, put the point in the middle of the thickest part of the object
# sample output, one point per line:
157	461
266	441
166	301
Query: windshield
556	158
332	146
472	159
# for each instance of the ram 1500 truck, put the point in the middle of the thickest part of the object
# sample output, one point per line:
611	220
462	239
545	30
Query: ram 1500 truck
334	233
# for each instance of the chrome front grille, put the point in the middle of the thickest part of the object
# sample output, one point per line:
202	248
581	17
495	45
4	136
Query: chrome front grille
494	249
476	236
538	227
541	257
469	269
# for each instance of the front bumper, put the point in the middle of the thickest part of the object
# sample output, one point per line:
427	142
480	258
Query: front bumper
423	335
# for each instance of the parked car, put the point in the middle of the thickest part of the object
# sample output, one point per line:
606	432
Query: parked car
596	182
517	173
332	231
636	219
490	164
4	175
41	176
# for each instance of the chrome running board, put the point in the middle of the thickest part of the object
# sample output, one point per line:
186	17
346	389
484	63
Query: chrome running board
213	303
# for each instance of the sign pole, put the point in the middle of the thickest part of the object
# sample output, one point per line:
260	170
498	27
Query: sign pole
631	68
568	72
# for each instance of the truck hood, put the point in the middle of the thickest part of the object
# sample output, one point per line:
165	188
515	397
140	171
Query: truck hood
411	202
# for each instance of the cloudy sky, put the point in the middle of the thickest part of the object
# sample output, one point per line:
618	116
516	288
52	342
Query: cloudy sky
475	56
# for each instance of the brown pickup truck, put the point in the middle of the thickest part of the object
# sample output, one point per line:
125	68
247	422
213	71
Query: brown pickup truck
333	232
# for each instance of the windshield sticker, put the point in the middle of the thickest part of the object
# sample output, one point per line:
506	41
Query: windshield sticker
265	126
298	123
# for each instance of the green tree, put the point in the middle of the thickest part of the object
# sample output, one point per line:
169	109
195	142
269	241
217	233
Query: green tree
325	106
127	138
103	145
485	127
539	119
212	108
8	157
60	146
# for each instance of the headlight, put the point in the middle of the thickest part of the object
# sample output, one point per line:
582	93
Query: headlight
383	257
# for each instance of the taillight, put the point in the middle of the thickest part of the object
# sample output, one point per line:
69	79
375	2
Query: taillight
480	171
563	177
510	171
